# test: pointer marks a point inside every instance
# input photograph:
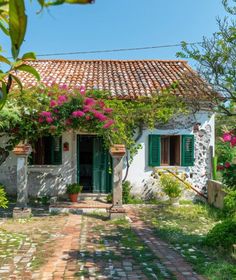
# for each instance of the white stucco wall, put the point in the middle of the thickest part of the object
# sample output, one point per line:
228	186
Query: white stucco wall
140	173
51	180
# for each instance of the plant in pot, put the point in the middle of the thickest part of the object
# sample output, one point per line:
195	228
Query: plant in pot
73	191
171	187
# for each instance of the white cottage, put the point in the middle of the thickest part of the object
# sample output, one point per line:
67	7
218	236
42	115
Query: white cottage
185	143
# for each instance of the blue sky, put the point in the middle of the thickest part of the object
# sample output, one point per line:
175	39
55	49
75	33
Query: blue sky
112	24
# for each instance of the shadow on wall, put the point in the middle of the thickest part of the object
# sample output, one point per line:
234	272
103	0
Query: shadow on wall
49	180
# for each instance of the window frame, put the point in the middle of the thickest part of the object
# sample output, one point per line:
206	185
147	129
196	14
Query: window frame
53	162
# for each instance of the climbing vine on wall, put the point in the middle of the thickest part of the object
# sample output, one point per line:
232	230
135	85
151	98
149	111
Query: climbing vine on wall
41	110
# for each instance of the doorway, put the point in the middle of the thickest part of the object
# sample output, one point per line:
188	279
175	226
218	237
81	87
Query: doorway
93	165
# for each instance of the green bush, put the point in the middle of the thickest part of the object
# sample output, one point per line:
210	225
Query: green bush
126	195
229	176
3	197
223	235
170	185
73	188
230	204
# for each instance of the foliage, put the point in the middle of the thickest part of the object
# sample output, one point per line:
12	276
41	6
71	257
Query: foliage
73	188
185	227
42	111
223	235
126	196
13	24
216	60
230	204
224	151
3	197
170	185
229	175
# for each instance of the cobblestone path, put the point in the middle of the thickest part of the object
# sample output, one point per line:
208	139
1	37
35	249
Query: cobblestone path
173	261
90	247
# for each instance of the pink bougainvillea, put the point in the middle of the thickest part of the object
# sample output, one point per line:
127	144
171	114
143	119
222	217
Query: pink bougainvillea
46	114
99	116
78	114
89	101
62	99
227	137
53	103
87	108
233	141
108	110
108	124
49	119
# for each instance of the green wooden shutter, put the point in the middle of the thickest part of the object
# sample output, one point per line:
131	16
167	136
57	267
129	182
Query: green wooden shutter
99	166
187	150
154	150
56	151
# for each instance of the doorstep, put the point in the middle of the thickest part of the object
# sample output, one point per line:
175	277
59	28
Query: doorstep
85	206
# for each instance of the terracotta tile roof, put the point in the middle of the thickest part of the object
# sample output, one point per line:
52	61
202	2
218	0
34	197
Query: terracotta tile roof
122	78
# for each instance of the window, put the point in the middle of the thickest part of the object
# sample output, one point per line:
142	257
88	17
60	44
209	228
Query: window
47	151
171	150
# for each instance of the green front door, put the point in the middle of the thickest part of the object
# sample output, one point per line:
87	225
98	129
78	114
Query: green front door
101	166
101	176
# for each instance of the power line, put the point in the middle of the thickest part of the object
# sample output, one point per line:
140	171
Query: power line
119	50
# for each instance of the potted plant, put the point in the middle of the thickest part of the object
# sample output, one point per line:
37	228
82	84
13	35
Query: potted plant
73	191
171	187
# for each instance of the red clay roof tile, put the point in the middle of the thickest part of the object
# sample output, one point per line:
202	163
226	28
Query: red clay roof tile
122	78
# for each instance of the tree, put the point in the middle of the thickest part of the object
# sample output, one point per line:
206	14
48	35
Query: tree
13	23
216	60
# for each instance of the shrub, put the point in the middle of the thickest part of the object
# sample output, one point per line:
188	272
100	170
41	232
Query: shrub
3	197
126	195
170	185
230	204
229	175
73	188
223	235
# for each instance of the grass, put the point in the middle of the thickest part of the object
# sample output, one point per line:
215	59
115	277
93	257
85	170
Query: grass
185	227
149	263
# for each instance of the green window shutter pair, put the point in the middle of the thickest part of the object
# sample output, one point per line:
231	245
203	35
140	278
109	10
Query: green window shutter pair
56	150
187	150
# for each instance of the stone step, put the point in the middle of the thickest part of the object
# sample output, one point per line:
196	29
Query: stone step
92	196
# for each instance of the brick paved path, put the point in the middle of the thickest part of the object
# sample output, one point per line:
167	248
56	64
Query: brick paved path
173	261
90	247
62	265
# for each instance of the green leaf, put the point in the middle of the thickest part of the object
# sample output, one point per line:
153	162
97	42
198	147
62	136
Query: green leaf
29	69
4	60
29	56
17	25
4	28
3	95
17	80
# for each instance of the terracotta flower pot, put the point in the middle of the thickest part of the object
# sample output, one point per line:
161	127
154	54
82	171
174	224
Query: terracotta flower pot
74	197
22	149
